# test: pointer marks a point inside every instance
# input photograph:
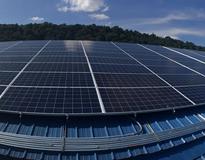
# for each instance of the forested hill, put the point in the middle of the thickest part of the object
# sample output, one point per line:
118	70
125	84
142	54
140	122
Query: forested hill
44	31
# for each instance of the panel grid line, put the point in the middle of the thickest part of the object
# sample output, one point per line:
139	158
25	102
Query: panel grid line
184	55
94	80
98	72
11	83
64	87
172	60
194	52
154	73
13	45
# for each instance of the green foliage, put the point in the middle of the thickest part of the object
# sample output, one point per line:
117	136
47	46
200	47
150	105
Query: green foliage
45	31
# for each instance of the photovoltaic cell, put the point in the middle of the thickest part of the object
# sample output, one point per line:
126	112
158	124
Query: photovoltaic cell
128	80
193	54
196	93
170	70
109	60
2	89
55	79
7	77
11	66
25	48
119	68
60	59
14	59
4	45
103	50
157	62
76	50
166	67
58	67
61	53
177	80
126	100
18	53
50	100
199	69
201	53
177	57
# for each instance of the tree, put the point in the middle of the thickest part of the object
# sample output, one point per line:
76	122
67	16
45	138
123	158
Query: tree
45	31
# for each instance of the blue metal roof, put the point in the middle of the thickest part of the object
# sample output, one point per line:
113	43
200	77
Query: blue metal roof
103	137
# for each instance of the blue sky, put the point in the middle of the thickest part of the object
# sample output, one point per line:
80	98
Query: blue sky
181	19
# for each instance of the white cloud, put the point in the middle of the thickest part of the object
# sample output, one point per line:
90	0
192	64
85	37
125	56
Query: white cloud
176	16
95	8
37	19
162	20
83	6
176	32
106	9
63	9
100	16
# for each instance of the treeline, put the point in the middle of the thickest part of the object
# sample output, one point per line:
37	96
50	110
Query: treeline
45	31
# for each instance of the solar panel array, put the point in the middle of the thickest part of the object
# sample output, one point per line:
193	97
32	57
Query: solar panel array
94	77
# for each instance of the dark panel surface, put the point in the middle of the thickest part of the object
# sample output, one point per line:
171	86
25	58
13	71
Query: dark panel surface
196	93
58	80
55	79
2	89
190	53
58	67
125	100
177	80
170	70
14	58
7	77
179	58
114	60
128	80
11	66
119	68
45	100
58	59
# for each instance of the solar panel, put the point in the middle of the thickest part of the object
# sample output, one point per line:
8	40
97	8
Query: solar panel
201	53
51	100
118	68
2	89
178	80
194	92
158	62
193	54
170	70
126	100
190	63
11	66
6	45
58	67
55	79
128	80
7	77
18	53
109	60
14	59
97	77
62	59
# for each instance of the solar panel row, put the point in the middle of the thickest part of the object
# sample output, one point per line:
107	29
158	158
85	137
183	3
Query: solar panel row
51	100
56	79
190	63
141	99
129	77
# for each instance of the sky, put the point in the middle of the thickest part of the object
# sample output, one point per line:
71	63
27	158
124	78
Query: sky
180	19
